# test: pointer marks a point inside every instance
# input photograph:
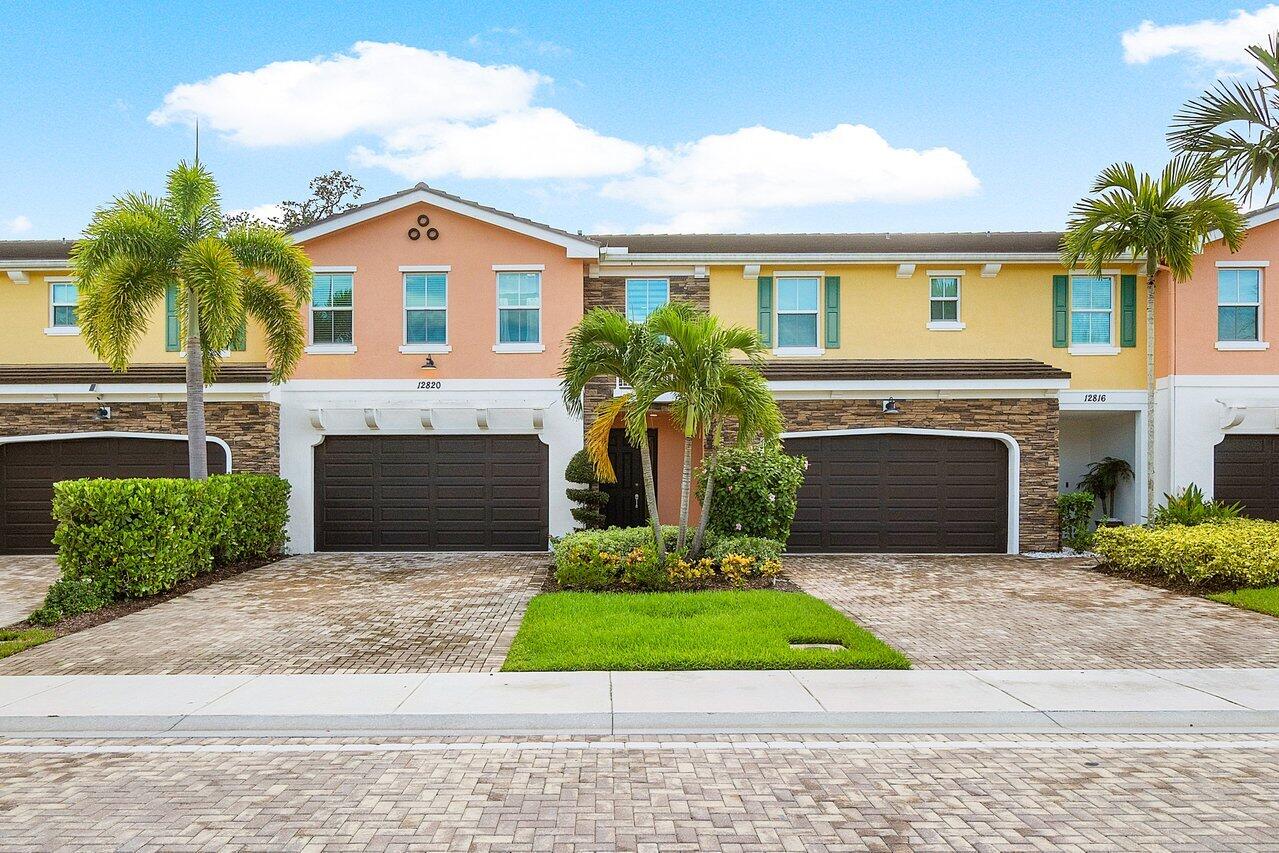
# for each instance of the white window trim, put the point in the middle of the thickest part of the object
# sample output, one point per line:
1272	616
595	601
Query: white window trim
1260	343
1092	349
626	296
312	347
522	346
956	324
426	268
407	347
817	348
59	331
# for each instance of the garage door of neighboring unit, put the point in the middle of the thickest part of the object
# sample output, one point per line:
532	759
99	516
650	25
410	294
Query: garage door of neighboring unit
1246	469
28	470
431	493
905	493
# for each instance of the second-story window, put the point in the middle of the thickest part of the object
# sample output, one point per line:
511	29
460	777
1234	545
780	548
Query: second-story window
64	297
1238	305
943	299
644	296
519	308
796	312
426	308
331	309
1092	308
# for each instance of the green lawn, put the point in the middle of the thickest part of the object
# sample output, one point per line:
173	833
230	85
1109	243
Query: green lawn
13	641
1264	599
749	629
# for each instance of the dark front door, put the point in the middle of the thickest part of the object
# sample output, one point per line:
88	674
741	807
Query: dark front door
626	505
1246	470
431	493
899	492
28	470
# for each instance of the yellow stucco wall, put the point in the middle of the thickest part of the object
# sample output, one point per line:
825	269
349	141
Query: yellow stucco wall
25	308
1007	316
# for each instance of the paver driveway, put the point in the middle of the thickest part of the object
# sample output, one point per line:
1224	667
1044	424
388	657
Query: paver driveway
23	581
318	613
1003	612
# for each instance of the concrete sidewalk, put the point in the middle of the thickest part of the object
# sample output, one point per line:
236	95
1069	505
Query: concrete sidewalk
586	703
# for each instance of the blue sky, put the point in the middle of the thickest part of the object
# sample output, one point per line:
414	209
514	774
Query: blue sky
671	116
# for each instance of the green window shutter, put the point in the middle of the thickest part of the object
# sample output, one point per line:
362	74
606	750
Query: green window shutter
172	328
1061	310
832	312
765	287
1128	310
239	343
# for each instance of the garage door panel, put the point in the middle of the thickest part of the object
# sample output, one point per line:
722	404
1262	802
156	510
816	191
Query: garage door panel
1246	470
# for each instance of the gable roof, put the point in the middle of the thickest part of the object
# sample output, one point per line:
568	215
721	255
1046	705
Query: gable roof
576	245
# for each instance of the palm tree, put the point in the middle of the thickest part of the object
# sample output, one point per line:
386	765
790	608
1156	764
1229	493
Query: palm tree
1103	480
691	365
1152	220
139	246
605	345
1235	126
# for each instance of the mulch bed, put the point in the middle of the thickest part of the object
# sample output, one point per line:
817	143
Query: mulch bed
781	582
1163	581
117	609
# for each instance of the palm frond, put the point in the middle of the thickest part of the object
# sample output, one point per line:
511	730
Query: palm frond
597	435
116	305
194	196
274	310
266	250
212	274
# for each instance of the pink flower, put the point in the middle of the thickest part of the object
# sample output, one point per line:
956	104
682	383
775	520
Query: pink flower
737	526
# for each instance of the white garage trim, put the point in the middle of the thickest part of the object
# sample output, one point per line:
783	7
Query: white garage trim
66	436
1014	463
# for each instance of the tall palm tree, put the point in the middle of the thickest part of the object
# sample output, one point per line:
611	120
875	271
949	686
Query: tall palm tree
1235	125
1155	221
139	246
691	365
605	345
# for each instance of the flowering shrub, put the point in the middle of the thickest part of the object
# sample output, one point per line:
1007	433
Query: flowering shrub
754	492
1224	555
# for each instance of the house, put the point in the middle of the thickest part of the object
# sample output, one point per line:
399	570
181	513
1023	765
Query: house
944	387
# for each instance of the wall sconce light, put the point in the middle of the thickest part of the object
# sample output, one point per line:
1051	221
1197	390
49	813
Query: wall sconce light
429	364
890	407
103	413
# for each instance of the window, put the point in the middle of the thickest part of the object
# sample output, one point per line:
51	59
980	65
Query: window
63	298
644	296
1092	301
1238	305
943	299
796	312
519	308
331	310
426	308
173	327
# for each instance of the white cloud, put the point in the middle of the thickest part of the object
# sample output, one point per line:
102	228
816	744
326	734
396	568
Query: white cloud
513	39
18	225
1211	42
712	184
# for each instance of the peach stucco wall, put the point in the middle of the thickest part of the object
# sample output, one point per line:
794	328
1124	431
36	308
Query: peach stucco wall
377	249
1187	313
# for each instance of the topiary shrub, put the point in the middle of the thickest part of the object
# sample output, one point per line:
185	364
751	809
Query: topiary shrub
589	512
1074	511
754	492
1219	555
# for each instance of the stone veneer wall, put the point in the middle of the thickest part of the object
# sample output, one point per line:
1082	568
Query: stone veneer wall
1033	422
251	428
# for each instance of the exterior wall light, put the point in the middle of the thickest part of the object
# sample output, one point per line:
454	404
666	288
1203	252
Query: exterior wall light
890	407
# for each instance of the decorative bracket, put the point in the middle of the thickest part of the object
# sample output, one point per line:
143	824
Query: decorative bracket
990	270
905	270
18	276
1232	414
427	421
539	419
317	419
482	418
371	419
750	271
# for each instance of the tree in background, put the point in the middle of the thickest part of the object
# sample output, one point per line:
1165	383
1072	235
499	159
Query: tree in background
331	193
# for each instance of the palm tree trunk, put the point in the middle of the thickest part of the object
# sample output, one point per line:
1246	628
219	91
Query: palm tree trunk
685	486
650	499
705	515
197	451
1150	397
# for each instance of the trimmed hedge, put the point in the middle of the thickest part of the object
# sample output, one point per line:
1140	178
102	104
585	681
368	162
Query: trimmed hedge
625	559
1224	555
134	538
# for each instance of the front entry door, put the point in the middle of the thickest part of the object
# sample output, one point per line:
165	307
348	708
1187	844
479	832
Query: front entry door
626	506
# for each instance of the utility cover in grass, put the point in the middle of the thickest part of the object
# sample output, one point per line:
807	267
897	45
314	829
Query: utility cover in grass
748	629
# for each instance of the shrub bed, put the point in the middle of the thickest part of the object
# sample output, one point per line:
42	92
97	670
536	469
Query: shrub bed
1214	556
755	491
626	559
121	539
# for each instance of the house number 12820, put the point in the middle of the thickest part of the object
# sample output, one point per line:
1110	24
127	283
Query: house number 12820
429	385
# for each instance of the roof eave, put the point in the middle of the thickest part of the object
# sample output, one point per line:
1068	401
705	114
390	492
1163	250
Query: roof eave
713	258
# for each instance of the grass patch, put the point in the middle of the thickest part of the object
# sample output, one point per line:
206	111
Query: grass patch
13	640
740	629
1263	599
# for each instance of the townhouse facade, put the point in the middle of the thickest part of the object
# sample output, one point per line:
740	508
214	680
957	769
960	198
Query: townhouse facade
944	387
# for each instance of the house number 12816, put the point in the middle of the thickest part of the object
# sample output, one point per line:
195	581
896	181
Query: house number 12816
1094	398
429	385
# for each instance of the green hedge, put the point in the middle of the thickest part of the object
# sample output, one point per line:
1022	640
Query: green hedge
1224	555
755	491
625	559
135	538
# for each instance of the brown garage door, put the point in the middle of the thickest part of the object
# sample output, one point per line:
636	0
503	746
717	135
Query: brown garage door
431	493
902	493
1246	469
28	470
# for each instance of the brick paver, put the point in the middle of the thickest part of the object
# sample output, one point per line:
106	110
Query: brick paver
1005	612
670	797
23	581
317	613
